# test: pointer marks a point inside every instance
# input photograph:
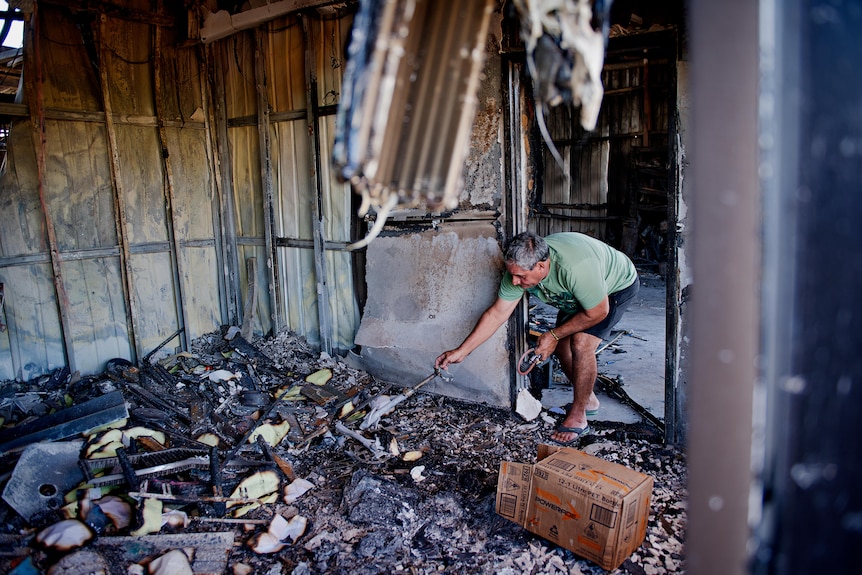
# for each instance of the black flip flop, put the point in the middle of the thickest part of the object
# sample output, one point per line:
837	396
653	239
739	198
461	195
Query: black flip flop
581	431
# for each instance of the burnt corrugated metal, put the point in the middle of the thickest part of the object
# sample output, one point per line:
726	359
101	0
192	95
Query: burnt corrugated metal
294	138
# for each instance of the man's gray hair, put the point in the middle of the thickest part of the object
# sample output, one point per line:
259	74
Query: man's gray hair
526	250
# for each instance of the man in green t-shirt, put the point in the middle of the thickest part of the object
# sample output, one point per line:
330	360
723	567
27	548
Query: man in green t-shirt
589	282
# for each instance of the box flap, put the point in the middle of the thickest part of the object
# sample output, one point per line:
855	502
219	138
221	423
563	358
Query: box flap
513	490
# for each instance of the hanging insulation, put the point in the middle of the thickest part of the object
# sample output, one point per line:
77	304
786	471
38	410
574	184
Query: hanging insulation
565	42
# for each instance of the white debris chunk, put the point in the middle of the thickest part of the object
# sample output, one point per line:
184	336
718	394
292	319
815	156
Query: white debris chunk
266	543
174	562
65	535
175	518
416	473
297	489
280	531
295	528
527	406
220	375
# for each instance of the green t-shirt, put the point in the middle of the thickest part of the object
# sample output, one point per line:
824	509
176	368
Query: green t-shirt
583	271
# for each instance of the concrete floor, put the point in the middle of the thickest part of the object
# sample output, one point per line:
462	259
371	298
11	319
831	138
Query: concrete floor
635	359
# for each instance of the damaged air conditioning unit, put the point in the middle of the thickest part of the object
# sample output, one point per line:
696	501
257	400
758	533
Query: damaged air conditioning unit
408	102
565	43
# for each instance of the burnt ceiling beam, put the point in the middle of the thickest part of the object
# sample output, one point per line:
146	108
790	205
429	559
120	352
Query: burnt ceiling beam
221	24
113	10
12	109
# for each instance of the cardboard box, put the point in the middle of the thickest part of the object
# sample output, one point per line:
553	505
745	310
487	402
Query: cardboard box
590	506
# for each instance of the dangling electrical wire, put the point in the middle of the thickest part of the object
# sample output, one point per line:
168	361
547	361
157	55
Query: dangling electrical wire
565	56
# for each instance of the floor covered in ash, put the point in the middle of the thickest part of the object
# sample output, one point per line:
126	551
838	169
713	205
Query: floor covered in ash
413	494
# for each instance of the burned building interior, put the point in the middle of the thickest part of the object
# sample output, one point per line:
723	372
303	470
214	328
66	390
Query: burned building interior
234	237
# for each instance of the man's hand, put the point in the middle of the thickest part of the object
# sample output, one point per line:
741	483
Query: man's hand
447	357
545	345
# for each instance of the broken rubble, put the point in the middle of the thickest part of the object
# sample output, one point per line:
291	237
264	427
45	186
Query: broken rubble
425	505
527	406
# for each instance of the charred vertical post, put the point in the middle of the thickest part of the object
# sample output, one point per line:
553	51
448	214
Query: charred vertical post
263	128
323	310
35	98
218	152
674	394
250	300
519	178
176	251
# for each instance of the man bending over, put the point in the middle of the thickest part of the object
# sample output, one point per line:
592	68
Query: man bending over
589	282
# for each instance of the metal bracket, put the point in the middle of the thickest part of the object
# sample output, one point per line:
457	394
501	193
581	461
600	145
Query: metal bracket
2	310
42	476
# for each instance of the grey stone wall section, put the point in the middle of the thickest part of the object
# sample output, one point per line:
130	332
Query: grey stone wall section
426	290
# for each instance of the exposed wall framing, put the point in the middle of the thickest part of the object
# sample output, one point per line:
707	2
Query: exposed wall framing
520	167
186	161
319	237
33	87
615	181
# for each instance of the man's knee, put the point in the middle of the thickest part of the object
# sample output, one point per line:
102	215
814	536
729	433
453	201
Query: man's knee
585	343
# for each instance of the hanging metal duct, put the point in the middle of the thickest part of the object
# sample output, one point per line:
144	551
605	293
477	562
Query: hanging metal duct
408	101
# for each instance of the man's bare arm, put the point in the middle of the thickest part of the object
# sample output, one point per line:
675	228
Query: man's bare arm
490	321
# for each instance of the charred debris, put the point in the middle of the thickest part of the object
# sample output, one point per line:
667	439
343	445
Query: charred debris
274	458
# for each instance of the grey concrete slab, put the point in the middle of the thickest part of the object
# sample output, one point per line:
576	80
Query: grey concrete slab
637	359
426	290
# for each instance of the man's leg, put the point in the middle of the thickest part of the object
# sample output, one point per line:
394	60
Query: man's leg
577	355
564	355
